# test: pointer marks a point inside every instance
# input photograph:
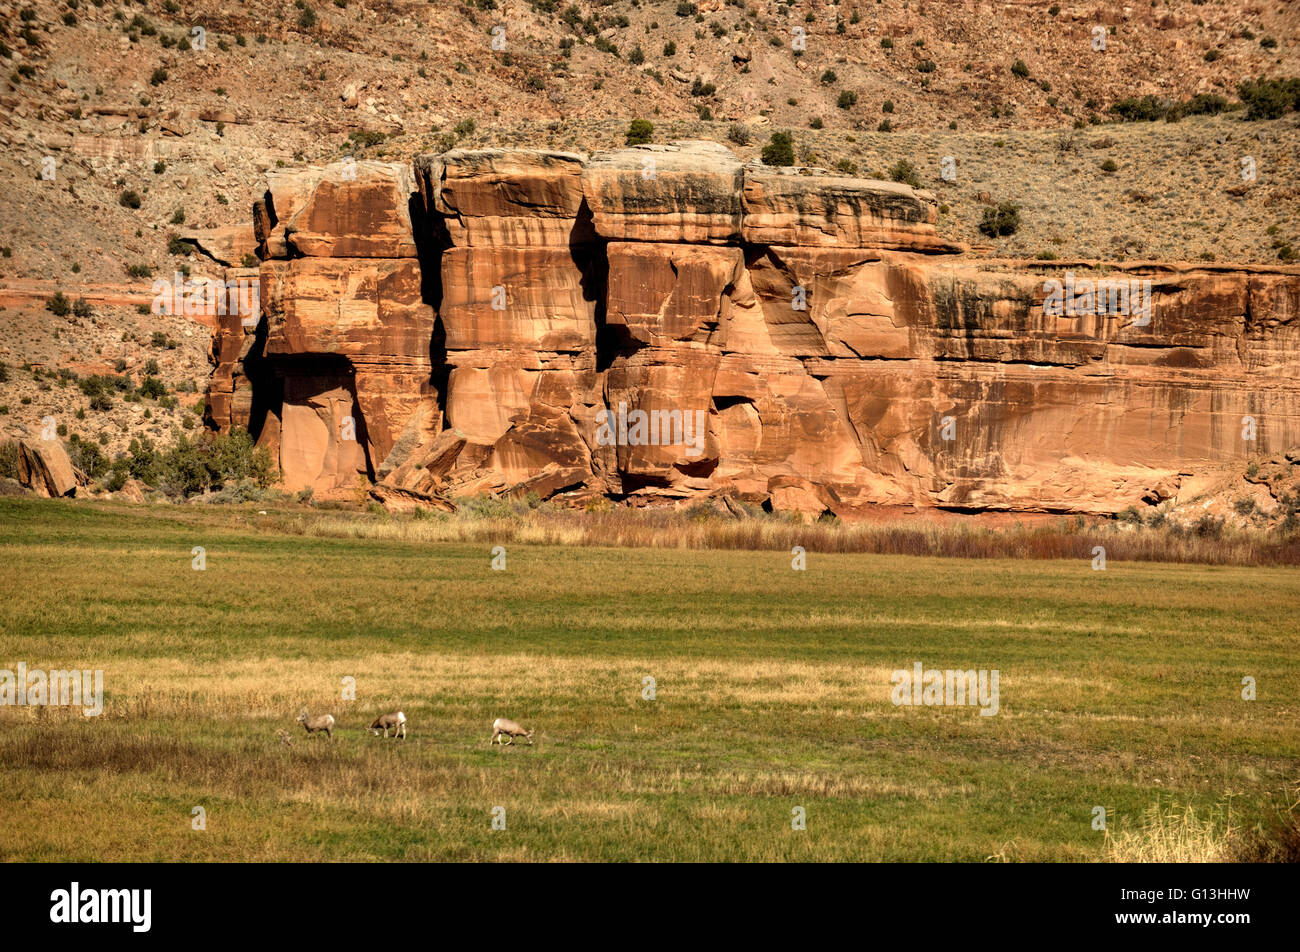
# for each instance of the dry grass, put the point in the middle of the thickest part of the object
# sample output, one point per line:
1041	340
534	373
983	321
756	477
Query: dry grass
1173	834
675	529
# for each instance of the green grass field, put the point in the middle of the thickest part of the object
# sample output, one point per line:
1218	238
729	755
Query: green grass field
1119	688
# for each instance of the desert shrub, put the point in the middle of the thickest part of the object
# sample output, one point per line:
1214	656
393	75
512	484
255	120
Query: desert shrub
847	99
1018	68
82	308
640	131
208	462
1140	108
152	387
1206	104
129	199
903	171
58	304
1208	527
1269	98
486	507
1002	220
779	150
738	134
87	456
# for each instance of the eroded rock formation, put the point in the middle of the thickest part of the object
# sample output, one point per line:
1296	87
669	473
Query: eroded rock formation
499	321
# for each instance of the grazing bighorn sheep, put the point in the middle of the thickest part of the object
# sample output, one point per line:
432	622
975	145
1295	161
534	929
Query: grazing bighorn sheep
321	722
503	726
395	720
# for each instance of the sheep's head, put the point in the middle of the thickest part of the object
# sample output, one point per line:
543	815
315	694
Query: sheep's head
302	715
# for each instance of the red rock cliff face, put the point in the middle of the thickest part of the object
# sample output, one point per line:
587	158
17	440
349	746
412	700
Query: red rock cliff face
661	322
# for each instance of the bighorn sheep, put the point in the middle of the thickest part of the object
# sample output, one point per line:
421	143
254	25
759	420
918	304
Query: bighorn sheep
396	721
503	726
321	722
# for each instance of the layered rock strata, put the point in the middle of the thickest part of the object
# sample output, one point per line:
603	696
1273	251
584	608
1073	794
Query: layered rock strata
663	322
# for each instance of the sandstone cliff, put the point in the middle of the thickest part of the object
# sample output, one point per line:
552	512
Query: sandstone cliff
500	320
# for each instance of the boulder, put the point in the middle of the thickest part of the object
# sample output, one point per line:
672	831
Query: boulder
45	468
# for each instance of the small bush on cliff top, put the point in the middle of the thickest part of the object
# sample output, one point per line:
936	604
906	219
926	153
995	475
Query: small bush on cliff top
903	171
779	150
640	131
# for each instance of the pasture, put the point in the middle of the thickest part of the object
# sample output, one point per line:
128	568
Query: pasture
1119	688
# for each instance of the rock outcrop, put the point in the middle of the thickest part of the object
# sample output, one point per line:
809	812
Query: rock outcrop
662	322
45	468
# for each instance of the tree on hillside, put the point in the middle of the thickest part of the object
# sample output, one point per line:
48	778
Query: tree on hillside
780	150
640	131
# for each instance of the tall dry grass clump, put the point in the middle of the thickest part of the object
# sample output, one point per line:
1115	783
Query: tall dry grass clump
702	527
1172	834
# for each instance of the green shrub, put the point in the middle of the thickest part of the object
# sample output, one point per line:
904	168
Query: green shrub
129	199
640	131
903	171
1269	98
1140	108
1002	220
779	150
1018	68
58	305
701	88
1206	104
152	387
848	99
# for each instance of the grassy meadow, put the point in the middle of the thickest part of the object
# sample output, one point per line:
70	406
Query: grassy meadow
1119	688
